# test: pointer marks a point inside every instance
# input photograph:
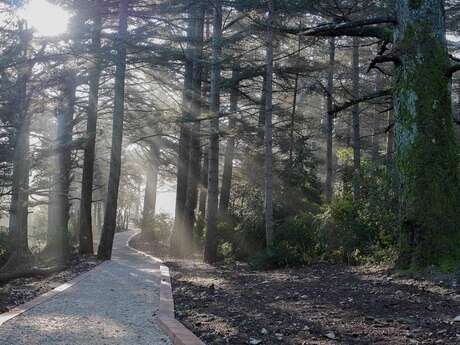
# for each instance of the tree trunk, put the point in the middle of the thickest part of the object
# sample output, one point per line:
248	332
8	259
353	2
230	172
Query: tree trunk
65	113
85	227
178	239
19	205
197	12
330	121
110	216
355	121
210	250
376	122
390	136
229	152
268	174
426	152
204	183
150	196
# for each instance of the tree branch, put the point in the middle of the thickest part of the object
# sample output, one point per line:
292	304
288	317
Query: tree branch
360	28
348	104
453	69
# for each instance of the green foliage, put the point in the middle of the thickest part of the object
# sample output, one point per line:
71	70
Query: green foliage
294	244
160	227
351	231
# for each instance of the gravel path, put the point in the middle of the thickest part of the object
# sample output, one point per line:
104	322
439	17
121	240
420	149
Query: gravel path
115	304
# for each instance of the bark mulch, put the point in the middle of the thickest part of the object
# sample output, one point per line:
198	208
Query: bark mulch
320	304
21	290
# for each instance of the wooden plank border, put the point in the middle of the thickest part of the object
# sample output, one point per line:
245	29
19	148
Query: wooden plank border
177	332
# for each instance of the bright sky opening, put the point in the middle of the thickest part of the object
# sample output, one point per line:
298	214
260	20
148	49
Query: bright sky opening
45	18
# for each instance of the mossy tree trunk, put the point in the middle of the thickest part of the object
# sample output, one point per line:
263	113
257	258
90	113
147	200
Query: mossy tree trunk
426	152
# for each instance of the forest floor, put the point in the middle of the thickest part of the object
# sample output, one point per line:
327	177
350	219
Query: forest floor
21	290
319	304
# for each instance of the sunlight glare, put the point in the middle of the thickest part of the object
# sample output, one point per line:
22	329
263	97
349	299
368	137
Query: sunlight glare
47	19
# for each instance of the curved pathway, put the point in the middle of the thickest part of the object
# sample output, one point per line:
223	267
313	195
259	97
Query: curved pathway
115	304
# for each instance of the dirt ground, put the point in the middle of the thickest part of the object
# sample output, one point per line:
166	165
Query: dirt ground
321	304
21	290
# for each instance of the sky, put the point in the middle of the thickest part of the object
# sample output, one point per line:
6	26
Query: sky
45	18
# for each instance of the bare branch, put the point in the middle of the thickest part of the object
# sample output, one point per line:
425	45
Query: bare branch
360	28
348	104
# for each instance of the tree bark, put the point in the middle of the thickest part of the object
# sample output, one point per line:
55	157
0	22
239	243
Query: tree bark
390	136
330	121
85	232
110	216
178	239
268	173
229	152
204	183
376	122
355	121
210	250
150	196
195	144
426	152
65	114
19	205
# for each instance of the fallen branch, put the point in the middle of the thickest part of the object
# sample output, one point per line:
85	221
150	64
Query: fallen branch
30	272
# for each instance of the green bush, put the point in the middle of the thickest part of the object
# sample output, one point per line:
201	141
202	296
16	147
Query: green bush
294	244
159	228
363	230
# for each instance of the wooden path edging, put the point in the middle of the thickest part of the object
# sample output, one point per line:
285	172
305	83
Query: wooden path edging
177	332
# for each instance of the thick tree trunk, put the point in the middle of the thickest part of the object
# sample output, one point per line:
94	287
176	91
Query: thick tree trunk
330	121
195	144
229	152
426	152
210	250
65	113
178	239
85	232
355	121
19	205
110	216
268	173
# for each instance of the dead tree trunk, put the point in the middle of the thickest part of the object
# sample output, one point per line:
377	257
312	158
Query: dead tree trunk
110	216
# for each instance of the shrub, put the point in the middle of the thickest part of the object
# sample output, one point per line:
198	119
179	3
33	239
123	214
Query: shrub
354	232
294	244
